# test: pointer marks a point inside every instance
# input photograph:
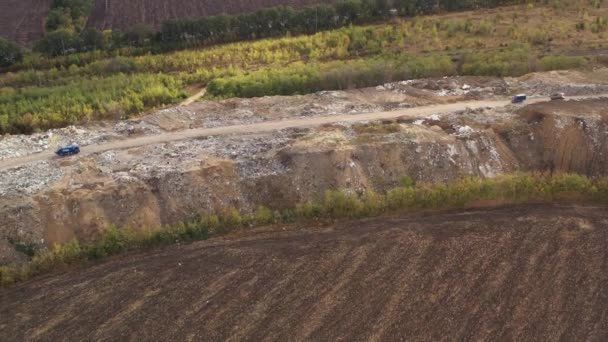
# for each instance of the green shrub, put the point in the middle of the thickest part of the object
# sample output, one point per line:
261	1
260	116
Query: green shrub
372	204
263	216
118	96
562	62
10	53
514	61
401	198
339	204
309	209
406	182
231	218
58	43
7	275
300	78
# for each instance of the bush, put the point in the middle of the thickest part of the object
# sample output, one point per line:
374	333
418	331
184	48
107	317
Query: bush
514	61
372	204
59	18
58	43
308	209
339	204
299	78
98	98
10	53
263	216
231	218
7	275
562	62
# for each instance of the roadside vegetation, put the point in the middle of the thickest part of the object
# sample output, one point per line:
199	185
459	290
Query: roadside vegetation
467	192
35	94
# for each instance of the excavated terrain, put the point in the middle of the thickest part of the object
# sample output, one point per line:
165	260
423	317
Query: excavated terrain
145	187
524	273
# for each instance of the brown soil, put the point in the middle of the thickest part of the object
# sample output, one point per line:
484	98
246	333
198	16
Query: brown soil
121	14
520	273
22	21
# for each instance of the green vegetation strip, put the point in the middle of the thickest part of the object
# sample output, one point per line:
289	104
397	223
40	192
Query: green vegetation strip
66	21
300	78
31	109
46	92
337	205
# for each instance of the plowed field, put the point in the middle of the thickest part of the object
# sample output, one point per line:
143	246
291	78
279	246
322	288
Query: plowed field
121	14
22	21
521	273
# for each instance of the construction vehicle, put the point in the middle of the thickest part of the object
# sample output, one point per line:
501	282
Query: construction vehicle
68	150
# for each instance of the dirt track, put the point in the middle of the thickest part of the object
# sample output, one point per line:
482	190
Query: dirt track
535	273
417	112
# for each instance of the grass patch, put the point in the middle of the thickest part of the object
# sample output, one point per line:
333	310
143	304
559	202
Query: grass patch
336	205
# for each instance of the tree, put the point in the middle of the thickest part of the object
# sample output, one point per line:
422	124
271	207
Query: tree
9	53
405	8
92	40
59	18
350	11
378	8
138	35
77	8
60	42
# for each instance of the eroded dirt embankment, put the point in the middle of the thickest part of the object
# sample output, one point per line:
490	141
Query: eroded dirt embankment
528	273
129	189
149	186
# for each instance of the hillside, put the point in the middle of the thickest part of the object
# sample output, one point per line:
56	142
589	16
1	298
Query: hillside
121	14
22	21
176	163
525	274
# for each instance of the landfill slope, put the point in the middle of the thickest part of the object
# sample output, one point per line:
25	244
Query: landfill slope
135	174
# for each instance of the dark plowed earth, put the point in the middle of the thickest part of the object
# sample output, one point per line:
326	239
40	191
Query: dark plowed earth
22	21
123	14
525	273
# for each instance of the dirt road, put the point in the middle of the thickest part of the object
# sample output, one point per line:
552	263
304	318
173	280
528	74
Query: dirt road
524	273
417	112
194	97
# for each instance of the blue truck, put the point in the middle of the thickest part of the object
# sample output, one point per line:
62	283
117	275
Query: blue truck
68	150
519	98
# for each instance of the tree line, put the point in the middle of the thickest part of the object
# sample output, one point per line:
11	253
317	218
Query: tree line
67	35
277	21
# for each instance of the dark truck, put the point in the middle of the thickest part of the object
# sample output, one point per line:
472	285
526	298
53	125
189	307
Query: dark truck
68	150
519	98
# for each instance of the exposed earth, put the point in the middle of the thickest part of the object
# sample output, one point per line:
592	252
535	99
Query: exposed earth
533	273
177	163
22	21
121	14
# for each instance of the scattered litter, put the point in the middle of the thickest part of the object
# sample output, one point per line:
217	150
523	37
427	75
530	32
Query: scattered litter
464	131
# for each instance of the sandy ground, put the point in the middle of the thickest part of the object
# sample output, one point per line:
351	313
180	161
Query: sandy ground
519	273
418	112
